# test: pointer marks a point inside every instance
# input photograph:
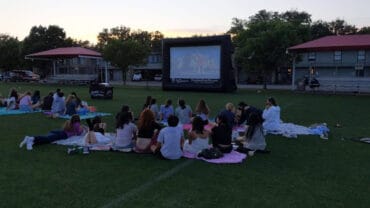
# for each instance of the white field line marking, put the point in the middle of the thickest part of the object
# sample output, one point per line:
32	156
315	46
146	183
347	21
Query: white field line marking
146	185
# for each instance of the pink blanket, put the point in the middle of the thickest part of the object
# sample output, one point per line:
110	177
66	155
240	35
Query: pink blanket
209	127
187	127
232	157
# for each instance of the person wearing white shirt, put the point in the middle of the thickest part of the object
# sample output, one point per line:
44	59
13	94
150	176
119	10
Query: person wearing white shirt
271	116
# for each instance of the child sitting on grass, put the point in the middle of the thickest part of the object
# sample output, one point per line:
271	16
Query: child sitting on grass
126	132
170	140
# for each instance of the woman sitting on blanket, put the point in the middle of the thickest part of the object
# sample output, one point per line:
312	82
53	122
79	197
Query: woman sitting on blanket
126	132
183	112
71	127
12	101
148	131
36	98
254	138
71	105
166	110
25	103
96	132
221	135
58	107
47	102
154	108
271	116
202	110
198	137
124	109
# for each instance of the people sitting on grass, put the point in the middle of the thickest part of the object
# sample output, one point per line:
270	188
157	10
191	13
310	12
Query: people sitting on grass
12	101
95	135
71	127
271	116
36	98
147	102
124	109
170	140
71	105
58	107
154	108
25	103
47	102
183	112
198	137
229	114
82	107
202	110
125	132
221	134
166	110
254	137
243	112
148	130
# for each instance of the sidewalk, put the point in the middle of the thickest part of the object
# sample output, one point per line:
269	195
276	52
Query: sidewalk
240	86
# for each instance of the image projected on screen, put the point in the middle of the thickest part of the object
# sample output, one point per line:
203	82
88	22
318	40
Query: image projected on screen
196	62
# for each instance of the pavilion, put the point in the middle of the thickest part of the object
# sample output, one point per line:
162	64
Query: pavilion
73	64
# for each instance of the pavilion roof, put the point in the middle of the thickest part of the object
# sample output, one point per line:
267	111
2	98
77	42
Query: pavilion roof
334	42
65	53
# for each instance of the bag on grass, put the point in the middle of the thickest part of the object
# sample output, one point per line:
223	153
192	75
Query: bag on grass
212	153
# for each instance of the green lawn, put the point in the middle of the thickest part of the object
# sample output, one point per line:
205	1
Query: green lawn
303	172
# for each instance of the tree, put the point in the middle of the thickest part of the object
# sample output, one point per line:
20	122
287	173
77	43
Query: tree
156	41
320	29
124	48
44	38
364	30
261	45
9	52
341	27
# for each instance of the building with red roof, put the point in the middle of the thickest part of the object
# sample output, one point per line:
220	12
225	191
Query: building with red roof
73	64
339	63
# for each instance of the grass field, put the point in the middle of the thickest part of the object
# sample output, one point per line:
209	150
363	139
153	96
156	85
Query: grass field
303	172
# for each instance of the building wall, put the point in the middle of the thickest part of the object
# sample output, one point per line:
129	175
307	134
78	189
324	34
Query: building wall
348	72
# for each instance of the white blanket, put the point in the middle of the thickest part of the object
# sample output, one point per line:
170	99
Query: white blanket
291	130
105	139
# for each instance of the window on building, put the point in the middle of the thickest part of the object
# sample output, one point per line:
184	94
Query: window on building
311	56
337	55
361	55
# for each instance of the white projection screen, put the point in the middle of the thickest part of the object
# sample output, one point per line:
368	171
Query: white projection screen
195	62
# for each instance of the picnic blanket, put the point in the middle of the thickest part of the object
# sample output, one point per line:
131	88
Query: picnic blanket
228	158
4	111
82	117
103	140
291	130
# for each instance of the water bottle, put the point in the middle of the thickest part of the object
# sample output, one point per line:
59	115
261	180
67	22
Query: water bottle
75	150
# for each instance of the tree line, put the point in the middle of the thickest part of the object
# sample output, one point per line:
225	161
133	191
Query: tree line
261	41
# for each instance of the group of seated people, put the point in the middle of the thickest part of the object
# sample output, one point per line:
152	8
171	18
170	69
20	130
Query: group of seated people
55	102
160	132
22	101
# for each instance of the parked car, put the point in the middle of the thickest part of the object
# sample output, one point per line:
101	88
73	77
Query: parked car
8	76
21	75
137	76
158	77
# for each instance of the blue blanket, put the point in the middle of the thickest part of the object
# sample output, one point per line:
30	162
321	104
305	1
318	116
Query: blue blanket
3	111
88	115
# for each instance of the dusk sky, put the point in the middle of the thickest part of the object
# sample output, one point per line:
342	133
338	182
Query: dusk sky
84	19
